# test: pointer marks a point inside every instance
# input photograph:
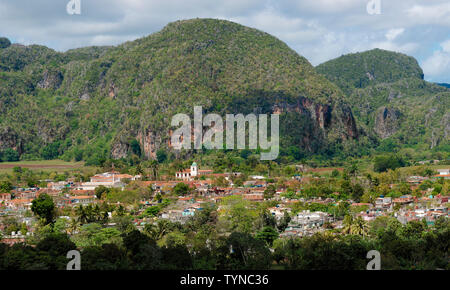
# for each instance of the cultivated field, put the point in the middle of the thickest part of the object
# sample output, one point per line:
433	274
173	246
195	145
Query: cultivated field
44	165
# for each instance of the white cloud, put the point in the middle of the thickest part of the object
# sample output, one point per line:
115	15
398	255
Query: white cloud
392	34
437	66
446	46
430	14
319	29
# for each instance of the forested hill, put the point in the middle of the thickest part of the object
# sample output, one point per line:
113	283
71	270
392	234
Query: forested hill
99	102
390	99
445	85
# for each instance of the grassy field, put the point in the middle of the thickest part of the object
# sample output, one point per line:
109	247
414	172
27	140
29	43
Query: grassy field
45	165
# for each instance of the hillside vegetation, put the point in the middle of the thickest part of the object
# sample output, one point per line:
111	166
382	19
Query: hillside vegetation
390	99
95	103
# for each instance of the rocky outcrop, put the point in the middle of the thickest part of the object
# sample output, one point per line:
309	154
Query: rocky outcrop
120	146
387	122
50	80
150	143
325	117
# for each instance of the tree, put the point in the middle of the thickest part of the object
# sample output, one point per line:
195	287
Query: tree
5	186
153	167
245	252
335	173
73	226
153	211
181	189
51	151
270	191
268	235
161	155
245	153
4	42
386	162
284	222
347	224
53	250
135	147
44	207
100	191
10	155
357	192
359	227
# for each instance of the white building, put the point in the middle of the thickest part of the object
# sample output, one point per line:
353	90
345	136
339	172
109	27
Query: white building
191	173
444	171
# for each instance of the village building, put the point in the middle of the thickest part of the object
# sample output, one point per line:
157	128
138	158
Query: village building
443	173
193	172
111	179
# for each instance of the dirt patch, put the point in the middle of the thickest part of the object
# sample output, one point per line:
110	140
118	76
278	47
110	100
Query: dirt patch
325	169
37	166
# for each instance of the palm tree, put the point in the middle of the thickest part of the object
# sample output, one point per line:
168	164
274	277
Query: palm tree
359	227
73	226
347	223
82	214
153	166
229	162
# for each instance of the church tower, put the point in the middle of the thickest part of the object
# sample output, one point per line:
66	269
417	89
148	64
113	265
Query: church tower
194	170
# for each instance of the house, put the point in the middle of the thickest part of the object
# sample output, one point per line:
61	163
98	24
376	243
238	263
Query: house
415	179
278	212
82	192
402	200
443	173
307	219
19	204
254	196
5	197
383	202
108	179
82	200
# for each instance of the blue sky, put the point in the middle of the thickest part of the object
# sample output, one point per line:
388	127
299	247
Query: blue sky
317	29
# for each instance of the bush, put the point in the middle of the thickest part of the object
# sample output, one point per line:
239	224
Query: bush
9	155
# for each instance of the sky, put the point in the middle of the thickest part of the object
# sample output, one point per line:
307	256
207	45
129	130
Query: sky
319	30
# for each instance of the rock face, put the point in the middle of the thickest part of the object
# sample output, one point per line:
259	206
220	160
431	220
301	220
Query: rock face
387	122
446	121
324	117
119	150
50	80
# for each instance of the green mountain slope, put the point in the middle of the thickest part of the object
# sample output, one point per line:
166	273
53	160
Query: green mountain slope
91	103
391	100
360	70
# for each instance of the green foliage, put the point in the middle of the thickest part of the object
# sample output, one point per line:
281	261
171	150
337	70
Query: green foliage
267	234
100	191
391	101
4	42
270	191
72	97
44	207
9	155
5	186
161	155
181	189
385	162
360	70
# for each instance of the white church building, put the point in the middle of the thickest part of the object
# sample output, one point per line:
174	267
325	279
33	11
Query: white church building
191	173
